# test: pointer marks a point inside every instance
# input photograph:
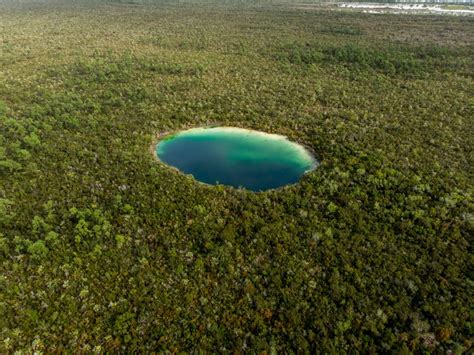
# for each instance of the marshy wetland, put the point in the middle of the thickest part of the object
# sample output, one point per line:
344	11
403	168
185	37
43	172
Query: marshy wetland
103	249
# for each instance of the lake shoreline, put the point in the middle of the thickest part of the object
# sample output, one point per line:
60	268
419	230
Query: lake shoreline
301	153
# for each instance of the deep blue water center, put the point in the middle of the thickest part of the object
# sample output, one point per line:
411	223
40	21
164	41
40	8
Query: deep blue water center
236	157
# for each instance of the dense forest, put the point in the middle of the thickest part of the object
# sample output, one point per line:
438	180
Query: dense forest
104	249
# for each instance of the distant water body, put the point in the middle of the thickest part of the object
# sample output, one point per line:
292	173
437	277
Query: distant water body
236	157
446	7
417	1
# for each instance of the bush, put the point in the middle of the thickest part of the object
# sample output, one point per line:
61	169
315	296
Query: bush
38	250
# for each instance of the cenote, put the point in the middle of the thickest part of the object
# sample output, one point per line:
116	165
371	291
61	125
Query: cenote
236	157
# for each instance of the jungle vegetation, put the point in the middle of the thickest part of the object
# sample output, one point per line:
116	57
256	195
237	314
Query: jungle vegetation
103	249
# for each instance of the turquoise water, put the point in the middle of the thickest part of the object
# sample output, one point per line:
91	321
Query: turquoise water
236	157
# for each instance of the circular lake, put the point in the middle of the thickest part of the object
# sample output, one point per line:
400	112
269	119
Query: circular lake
236	157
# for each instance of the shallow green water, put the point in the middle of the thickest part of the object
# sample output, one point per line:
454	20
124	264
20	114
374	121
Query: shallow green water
236	157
